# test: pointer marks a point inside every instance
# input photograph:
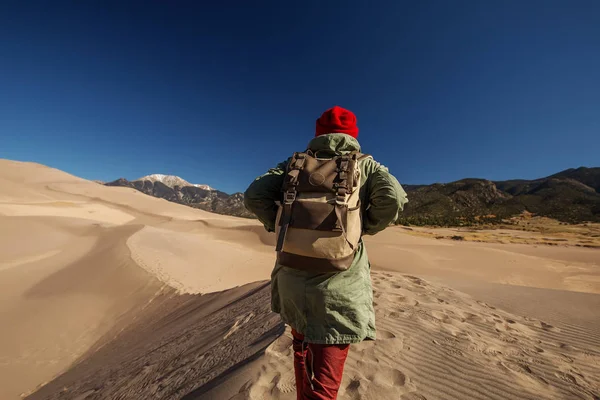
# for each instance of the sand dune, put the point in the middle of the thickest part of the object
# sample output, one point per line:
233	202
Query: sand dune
108	293
168	254
67	277
58	299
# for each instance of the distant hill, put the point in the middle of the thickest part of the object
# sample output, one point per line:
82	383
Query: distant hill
587	176
178	190
571	196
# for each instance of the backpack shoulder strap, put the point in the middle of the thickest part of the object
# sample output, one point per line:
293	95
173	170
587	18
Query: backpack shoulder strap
290	183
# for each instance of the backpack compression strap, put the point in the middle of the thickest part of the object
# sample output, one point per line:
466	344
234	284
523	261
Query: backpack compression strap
289	196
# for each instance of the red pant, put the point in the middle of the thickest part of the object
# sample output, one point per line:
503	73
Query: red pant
318	367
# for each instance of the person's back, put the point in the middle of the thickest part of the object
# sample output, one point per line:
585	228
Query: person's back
328	308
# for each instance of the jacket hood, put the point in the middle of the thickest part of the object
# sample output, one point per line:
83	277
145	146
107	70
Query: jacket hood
334	144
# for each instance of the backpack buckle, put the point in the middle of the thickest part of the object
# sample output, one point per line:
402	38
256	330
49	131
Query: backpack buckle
289	197
299	163
340	198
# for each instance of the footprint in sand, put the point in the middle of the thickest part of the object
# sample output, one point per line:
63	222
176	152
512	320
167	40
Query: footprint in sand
546	327
369	357
388	376
516	367
353	390
385	335
353	385
398	377
396	314
398	298
282	345
486	305
286	383
441	317
465	316
416	281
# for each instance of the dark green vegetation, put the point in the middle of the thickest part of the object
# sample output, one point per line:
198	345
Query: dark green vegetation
571	196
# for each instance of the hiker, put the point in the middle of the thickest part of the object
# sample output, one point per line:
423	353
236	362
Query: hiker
320	202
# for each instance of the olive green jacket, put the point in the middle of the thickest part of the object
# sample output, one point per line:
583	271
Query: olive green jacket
330	308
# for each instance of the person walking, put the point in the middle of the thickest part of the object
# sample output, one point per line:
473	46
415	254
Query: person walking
320	203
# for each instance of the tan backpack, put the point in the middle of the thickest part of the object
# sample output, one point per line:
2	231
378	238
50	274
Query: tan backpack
319	223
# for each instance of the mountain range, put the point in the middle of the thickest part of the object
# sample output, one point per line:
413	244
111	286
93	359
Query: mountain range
570	196
178	190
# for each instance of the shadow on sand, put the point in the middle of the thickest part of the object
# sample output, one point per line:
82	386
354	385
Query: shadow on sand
180	346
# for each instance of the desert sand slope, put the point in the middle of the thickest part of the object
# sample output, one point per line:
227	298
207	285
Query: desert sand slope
433	343
63	284
106	293
67	278
177	345
437	343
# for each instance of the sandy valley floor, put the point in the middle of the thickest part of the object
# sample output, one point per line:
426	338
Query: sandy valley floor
106	293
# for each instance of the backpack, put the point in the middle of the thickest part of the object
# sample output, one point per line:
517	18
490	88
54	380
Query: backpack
319	222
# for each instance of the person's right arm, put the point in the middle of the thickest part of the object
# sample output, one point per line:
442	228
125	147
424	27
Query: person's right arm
386	198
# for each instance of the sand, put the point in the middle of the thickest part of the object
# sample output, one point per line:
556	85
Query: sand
68	279
437	343
106	293
537	231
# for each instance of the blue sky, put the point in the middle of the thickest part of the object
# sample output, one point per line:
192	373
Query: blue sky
218	92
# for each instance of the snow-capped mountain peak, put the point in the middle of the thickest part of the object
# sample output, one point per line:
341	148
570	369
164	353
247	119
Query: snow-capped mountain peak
172	181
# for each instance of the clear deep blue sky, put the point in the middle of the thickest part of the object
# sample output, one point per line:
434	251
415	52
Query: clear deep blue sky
217	92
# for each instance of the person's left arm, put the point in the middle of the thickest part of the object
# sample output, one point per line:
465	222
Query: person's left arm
261	196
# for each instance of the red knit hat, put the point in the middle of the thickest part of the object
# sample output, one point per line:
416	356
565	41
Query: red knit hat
337	120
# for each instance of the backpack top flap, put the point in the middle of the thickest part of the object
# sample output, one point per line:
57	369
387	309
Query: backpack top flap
306	173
